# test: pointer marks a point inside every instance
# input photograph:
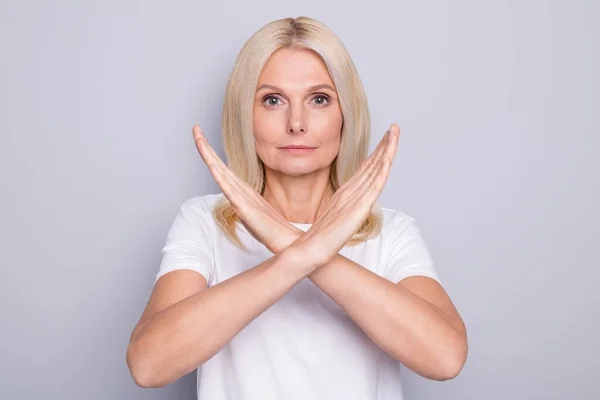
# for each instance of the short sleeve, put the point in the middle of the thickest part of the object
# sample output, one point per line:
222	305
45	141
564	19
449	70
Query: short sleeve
189	241
407	253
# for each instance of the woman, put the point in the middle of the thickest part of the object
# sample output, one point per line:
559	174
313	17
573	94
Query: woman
230	297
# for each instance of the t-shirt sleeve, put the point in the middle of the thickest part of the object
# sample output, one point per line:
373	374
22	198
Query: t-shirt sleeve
189	242
407	253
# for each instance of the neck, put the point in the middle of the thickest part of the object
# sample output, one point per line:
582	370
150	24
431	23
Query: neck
300	199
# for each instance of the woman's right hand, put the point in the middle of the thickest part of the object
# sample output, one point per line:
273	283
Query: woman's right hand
261	220
350	205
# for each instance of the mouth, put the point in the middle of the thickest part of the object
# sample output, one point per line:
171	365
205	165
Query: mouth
297	147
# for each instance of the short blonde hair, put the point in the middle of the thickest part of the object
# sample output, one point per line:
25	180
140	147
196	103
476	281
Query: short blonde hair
237	127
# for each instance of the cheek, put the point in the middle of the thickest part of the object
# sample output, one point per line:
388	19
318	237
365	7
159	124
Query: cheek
331	126
263	150
331	148
263	140
265	147
331	137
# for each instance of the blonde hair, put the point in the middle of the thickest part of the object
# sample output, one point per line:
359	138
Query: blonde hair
237	127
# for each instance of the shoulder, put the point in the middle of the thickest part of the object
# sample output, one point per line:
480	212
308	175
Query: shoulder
197	211
201	205
398	222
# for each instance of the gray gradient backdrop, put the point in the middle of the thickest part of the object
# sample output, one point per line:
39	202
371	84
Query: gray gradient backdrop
498	106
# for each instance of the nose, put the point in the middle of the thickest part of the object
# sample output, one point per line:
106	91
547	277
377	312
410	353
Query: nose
295	129
296	123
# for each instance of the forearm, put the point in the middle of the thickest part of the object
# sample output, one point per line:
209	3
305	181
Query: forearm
412	330
178	339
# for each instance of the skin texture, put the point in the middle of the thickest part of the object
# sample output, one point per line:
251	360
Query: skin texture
346	210
289	112
184	323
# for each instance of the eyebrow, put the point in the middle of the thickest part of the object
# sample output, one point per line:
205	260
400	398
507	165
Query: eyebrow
312	88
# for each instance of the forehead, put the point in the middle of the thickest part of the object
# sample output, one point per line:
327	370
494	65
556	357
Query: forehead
295	67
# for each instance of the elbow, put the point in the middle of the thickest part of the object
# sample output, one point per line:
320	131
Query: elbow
451	370
454	358
144	369
140	369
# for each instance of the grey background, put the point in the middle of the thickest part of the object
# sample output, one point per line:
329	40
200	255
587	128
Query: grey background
498	107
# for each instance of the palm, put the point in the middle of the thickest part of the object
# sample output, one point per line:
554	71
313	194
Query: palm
352	202
257	215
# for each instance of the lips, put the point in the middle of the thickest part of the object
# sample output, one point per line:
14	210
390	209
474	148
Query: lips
297	147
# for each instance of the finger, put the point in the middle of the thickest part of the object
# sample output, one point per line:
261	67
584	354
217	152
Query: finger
380	146
202	146
379	177
393	142
374	163
236	190
388	153
383	143
217	168
378	182
234	181
394	131
199	137
390	146
210	157
373	170
368	162
354	188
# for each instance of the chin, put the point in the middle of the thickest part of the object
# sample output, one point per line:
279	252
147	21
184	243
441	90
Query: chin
296	167
300	170
296	171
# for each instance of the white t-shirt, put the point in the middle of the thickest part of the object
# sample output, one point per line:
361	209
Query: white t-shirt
304	346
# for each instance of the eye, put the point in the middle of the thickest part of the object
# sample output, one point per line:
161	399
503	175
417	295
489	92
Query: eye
321	96
321	100
269	102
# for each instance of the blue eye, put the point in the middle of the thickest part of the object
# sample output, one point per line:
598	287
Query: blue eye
272	100
322	96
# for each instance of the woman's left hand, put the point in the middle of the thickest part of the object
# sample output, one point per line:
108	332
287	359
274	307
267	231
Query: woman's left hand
260	219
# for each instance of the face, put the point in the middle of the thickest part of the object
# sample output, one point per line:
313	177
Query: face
296	104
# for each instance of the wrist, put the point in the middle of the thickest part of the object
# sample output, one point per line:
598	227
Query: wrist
288	238
300	257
